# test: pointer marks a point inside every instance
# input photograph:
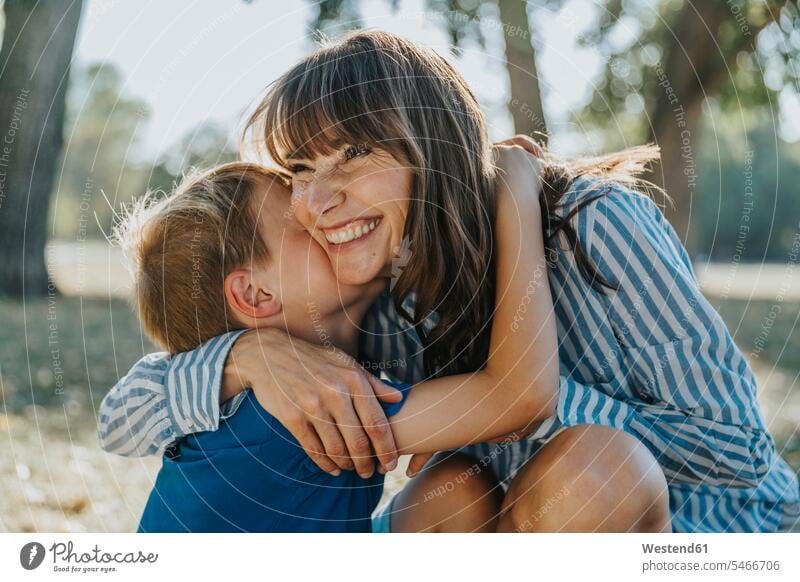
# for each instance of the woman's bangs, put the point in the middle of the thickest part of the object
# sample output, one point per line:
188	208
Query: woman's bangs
302	123
300	129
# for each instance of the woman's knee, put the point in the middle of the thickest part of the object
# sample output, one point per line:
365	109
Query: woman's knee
589	478
452	493
456	476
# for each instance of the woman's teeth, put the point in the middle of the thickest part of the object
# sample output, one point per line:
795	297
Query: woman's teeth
351	233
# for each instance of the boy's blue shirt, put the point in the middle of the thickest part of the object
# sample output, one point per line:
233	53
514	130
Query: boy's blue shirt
252	475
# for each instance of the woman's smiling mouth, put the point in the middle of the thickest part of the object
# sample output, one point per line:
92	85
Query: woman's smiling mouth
351	231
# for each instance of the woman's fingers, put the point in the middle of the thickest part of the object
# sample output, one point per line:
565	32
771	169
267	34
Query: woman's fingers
384	392
525	142
311	442
417	462
333	443
374	421
358	445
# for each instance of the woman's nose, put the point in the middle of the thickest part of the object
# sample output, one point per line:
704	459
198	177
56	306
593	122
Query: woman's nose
322	196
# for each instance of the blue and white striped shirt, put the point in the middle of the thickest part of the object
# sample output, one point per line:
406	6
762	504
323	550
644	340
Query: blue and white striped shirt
652	358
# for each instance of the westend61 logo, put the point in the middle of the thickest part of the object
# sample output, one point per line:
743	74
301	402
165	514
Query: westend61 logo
66	559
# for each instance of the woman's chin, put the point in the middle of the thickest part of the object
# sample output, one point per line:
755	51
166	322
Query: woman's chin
357	272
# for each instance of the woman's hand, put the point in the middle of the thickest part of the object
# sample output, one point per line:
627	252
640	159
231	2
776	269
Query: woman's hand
519	170
526	143
320	394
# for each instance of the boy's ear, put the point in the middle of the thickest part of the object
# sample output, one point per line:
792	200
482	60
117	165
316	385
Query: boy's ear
247	298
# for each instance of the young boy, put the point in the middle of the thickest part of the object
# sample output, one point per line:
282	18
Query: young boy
224	252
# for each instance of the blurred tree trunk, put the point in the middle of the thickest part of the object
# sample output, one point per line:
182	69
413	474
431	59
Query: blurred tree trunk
38	41
692	69
525	104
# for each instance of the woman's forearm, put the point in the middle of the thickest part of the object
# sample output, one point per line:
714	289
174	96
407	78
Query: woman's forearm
523	350
459	410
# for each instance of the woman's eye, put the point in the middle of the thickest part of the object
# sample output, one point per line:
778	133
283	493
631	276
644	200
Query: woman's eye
299	169
355	151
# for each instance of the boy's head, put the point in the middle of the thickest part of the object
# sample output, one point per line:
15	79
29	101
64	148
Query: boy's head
224	252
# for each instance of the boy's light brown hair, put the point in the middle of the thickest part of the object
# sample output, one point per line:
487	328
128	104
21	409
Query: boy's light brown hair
182	247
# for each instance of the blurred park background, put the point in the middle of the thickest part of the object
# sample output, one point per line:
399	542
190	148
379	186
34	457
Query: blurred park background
101	100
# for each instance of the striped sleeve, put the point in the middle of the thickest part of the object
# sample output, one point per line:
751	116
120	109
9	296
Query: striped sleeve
163	398
695	405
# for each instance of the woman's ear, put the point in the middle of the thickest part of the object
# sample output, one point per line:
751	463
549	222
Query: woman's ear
248	299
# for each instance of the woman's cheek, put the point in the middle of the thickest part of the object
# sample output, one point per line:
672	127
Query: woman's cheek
320	263
400	223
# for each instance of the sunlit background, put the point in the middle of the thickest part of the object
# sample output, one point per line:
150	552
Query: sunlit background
150	89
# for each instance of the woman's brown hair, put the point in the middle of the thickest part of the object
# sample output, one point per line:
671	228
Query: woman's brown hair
378	89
